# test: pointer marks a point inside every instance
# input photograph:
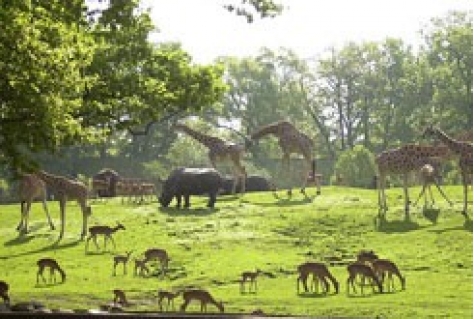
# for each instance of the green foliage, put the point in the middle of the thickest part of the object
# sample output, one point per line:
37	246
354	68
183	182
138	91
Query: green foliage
211	248
43	49
73	77
356	167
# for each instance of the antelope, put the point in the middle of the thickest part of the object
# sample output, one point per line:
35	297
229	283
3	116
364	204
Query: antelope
382	266
429	174
320	272
162	294
106	231
203	297
122	259
140	267
250	276
53	265
4	292
161	255
120	298
365	256
364	270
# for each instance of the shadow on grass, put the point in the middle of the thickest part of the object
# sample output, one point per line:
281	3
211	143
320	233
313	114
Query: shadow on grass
53	247
283	202
467	226
394	226
173	211
315	295
48	284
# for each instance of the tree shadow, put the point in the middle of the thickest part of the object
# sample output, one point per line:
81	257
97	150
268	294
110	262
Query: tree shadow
53	247
395	226
174	211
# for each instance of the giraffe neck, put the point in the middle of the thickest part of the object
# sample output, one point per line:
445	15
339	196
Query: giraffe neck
451	143
273	129
204	139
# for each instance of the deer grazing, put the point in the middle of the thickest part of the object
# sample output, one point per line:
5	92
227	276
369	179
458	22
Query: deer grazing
120	298
366	271
53	266
141	268
158	254
384	266
381	268
122	259
320	272
250	276
4	292
106	231
170	296
203	297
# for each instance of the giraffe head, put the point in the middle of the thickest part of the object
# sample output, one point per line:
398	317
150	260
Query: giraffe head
429	131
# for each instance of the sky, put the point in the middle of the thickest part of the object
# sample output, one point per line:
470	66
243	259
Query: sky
308	27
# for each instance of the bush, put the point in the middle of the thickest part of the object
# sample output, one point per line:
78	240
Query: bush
355	167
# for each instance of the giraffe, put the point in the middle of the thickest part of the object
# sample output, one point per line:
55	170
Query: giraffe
292	141
463	150
220	151
30	188
64	189
404	160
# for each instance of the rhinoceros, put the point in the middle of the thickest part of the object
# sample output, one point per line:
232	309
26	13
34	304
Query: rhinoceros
183	182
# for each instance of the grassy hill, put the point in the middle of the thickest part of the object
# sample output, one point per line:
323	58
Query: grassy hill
210	249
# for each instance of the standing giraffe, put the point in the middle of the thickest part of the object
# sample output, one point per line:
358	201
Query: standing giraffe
64	189
292	141
403	161
31	187
463	150
221	151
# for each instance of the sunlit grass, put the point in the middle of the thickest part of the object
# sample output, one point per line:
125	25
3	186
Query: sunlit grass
210	248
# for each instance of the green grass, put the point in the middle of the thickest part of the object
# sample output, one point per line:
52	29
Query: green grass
210	248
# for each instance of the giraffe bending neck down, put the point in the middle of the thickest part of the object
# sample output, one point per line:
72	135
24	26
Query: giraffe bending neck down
221	151
461	149
292	141
403	161
31	187
65	189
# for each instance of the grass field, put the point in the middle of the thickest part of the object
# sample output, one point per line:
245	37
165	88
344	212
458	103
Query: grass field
210	249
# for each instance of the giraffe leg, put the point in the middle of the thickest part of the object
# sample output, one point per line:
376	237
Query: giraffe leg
62	207
45	207
86	212
443	194
407	198
421	193
46	210
381	191
464	210
22	228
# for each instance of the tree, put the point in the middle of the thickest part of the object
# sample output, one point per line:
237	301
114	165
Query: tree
43	48
71	76
250	8
448	52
